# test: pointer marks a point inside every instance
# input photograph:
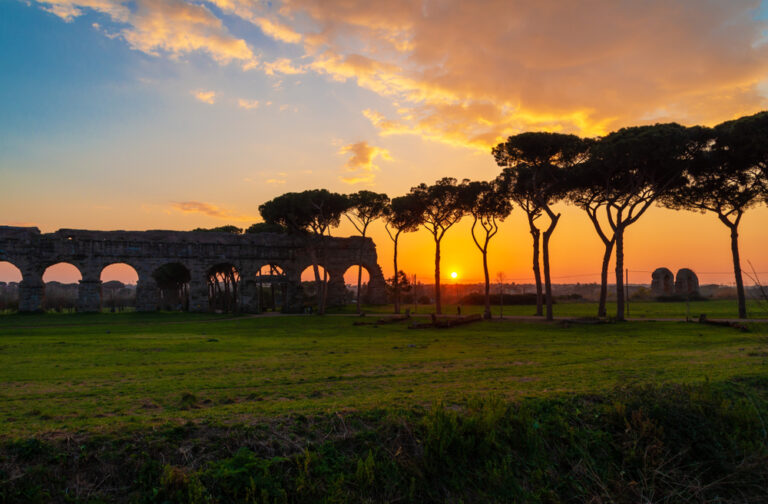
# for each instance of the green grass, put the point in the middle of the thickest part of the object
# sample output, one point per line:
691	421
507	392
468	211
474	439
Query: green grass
106	372
721	308
201	408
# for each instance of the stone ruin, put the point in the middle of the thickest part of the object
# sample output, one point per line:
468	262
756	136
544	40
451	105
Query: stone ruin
176	268
662	282
684	284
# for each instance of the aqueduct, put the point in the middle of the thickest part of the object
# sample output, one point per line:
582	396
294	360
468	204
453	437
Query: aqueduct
187	259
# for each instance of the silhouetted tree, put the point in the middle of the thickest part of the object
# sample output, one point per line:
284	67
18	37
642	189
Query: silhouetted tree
587	192
635	167
223	286
440	209
488	204
312	213
220	229
365	207
398	284
173	283
265	227
726	178
534	177
403	215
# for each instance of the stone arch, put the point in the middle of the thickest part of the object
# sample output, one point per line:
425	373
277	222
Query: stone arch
350	282
119	270
223	280
310	284
61	286
118	282
307	273
375	292
272	287
9	272
10	279
172	286
350	274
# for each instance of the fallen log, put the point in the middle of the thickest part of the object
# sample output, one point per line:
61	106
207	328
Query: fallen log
723	323
442	323
383	321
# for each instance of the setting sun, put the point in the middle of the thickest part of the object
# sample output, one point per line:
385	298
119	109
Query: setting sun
454	275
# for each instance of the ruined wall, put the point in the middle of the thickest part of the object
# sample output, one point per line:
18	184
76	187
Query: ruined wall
91	251
662	282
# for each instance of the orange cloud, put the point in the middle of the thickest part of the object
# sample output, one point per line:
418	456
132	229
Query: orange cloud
208	97
172	27
471	73
211	210
253	12
248	104
361	165
70	9
283	66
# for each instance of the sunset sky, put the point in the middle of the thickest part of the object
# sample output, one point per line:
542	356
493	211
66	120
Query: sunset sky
172	114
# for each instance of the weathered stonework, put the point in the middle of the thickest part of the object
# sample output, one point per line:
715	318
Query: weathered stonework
662	282
686	283
91	251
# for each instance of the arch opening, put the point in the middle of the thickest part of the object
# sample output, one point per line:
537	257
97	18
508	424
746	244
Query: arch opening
61	287
351	283
10	278
172	281
118	287
312	282
271	281
223	286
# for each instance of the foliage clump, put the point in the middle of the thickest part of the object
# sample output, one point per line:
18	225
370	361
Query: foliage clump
695	443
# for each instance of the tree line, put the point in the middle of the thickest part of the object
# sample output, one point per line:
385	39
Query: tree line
614	179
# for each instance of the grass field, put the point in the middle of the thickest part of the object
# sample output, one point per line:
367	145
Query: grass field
113	371
202	408
721	308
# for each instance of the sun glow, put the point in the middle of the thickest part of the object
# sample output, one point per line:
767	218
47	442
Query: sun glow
454	275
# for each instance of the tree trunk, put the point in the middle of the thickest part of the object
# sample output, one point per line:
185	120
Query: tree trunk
547	275
536	271
487	313
397	279
318	281
619	234
601	308
324	292
360	274
438	305
737	270
359	284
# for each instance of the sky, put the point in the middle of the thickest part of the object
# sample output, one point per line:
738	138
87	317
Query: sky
176	114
